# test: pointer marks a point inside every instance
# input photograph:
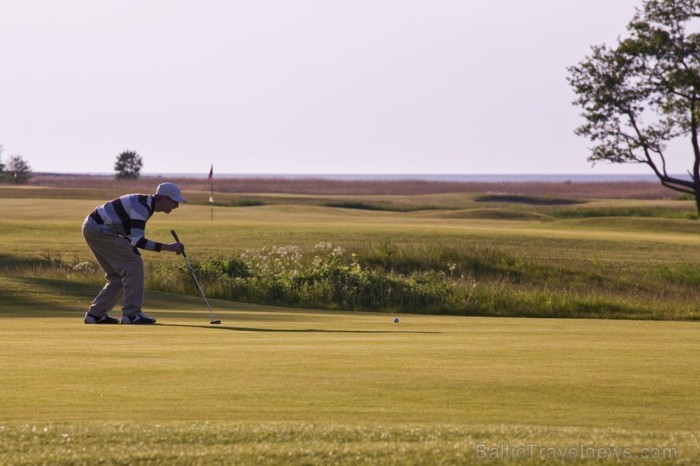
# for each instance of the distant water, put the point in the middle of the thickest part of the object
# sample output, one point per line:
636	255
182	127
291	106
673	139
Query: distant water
487	178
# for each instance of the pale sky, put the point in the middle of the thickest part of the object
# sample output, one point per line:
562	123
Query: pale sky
300	86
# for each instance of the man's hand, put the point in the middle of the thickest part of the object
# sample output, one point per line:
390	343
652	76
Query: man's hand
177	248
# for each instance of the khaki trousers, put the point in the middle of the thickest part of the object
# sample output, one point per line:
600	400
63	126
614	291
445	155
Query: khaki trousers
123	269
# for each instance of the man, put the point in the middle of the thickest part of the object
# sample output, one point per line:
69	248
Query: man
115	232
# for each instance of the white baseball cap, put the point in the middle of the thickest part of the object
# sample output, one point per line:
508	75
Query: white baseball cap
170	190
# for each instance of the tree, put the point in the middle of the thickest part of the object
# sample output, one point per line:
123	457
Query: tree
18	170
128	165
2	166
645	93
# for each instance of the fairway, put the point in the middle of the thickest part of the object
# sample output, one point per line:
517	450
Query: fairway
268	378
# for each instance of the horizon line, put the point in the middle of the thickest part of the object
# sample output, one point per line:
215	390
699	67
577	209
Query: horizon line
325	174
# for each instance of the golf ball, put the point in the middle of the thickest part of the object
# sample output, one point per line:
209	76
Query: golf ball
396	320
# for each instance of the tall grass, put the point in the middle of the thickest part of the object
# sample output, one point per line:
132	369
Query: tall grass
311	185
430	278
327	278
437	279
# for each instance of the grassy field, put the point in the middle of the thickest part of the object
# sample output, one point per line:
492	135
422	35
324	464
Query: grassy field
275	385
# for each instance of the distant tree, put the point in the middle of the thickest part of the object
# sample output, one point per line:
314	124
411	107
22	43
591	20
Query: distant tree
645	92
2	166
128	165
18	170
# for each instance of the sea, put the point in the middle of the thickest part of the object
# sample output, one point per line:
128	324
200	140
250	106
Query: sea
460	178
471	178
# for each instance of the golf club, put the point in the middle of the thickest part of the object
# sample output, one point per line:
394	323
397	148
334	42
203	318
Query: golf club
196	280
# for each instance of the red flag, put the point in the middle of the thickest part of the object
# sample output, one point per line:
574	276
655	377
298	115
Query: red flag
211	173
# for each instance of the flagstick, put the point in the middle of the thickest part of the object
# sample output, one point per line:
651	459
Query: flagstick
211	198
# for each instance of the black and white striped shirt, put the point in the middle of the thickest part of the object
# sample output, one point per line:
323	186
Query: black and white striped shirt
128	215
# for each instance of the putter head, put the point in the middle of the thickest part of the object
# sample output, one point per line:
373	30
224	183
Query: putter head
215	322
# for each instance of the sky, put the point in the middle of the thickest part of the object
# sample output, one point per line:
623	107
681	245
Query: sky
301	86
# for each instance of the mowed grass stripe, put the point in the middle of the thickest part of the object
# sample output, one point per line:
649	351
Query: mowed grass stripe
311	444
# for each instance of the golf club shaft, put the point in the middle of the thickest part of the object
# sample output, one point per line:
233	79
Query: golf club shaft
196	280
194	275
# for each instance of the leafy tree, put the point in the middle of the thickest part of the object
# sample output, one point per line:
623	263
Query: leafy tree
128	165
18	170
644	93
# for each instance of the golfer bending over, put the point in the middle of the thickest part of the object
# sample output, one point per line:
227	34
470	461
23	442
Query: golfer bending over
114	231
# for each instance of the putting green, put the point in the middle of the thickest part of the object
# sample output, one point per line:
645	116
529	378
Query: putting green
300	371
270	364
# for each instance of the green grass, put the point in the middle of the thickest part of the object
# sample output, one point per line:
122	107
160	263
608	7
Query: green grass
274	385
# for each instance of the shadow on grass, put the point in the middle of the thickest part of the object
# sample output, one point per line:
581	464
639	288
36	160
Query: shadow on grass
277	330
45	297
27	296
529	200
8	260
36	297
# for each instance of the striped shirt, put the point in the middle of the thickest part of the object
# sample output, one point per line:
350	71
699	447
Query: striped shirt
128	215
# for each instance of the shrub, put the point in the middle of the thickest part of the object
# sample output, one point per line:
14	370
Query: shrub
328	279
